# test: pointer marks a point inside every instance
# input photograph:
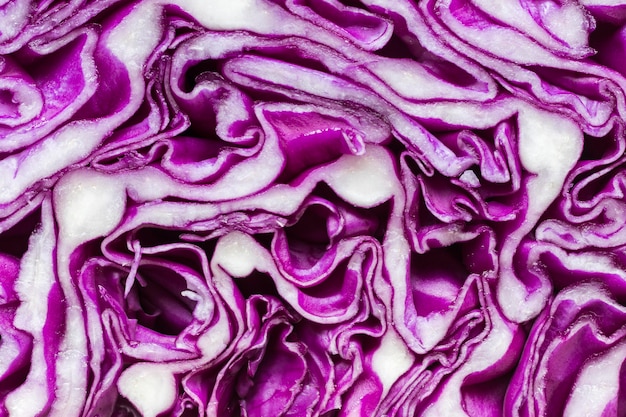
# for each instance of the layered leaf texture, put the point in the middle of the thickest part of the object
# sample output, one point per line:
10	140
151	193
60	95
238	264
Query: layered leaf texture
301	208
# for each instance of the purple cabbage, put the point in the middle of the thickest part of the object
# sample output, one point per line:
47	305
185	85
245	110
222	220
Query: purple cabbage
312	208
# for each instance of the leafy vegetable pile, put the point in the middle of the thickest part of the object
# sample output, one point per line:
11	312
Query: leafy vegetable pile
312	208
